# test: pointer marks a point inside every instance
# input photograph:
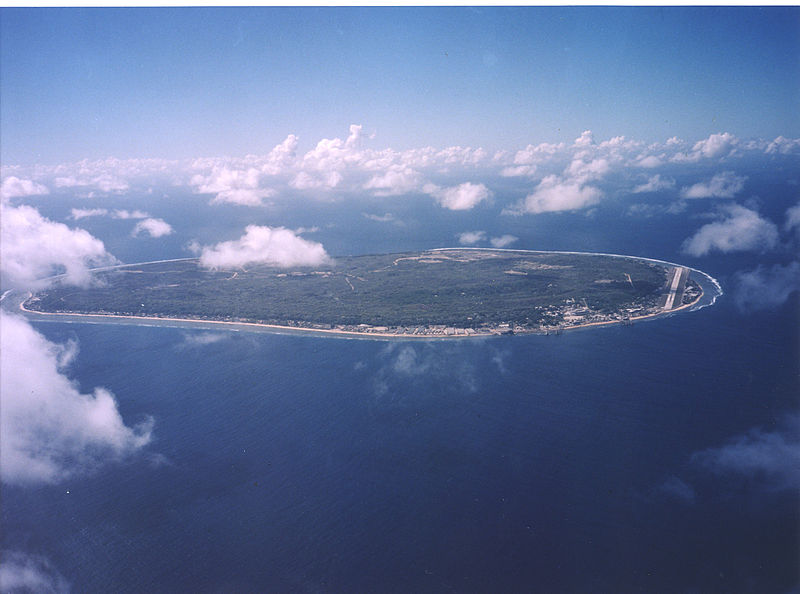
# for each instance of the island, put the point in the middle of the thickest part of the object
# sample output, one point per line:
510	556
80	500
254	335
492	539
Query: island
435	293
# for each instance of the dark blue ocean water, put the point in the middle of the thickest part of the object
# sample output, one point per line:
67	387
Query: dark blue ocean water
519	464
621	459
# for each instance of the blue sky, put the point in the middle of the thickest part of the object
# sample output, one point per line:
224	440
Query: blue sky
181	83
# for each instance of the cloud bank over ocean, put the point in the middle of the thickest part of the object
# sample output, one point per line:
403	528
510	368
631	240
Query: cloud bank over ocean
552	177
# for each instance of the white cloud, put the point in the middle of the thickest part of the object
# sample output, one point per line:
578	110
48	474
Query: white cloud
384	218
648	162
235	186
281	157
33	247
462	197
503	241
128	214
723	185
461	155
555	194
201	339
14	187
765	288
738	229
532	154
346	166
398	179
793	218
22	572
655	184
275	246
49	430
327	181
585	139
82	213
772	459
471	237
582	170
518	170
716	145
783	146
153	227
106	183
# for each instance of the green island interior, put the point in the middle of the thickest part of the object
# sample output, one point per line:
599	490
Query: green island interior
436	292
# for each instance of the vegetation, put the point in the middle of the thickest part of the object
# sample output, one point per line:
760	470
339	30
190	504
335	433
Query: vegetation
459	288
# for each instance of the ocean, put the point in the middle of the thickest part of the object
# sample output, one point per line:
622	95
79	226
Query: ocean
570	463
657	457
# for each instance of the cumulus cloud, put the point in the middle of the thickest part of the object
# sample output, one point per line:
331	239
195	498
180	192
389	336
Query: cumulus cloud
585	139
462	197
397	179
49	430
153	227
555	194
518	170
648	162
738	229
769	458
33	247
503	241
22	572
723	185
281	157
585	170
14	187
655	184
275	246
326	181
716	146
525	160
783	146
349	165
766	287
233	186
471	237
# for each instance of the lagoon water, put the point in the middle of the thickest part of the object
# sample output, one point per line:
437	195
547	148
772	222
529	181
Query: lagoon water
569	463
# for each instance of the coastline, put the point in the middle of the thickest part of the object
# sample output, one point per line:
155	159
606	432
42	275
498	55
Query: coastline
229	325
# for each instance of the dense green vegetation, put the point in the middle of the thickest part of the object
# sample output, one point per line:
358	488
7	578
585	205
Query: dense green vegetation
462	288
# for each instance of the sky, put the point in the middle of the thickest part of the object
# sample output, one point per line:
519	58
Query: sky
291	136
182	83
